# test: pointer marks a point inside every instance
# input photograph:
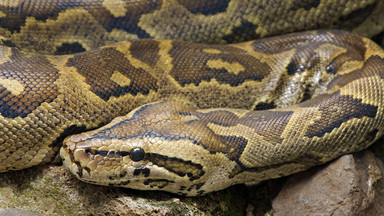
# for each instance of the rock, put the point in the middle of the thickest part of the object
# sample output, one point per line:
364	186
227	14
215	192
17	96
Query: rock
17	212
350	185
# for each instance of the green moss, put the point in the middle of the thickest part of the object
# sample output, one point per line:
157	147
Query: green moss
260	196
47	180
232	201
55	191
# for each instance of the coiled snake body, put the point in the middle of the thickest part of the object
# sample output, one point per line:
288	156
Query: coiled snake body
191	127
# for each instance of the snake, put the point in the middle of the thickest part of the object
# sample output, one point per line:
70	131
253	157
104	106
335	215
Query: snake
148	94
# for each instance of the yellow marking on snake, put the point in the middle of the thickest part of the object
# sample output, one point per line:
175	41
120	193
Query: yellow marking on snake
234	67
14	86
120	79
212	51
116	7
13	3
7	53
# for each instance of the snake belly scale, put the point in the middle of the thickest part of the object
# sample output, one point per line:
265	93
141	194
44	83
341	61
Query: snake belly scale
200	117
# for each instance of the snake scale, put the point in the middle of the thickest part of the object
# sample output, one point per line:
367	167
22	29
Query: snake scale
201	117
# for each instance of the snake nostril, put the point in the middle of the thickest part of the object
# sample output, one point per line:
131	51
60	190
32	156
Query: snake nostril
68	145
137	154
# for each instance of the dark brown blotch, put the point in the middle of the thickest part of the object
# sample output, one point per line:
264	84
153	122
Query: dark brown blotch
159	183
265	106
36	74
177	166
129	22
142	170
306	5
246	31
204	7
98	67
69	48
372	135
356	17
196	186
269	124
146	51
372	66
192	61
335	110
237	145
220	117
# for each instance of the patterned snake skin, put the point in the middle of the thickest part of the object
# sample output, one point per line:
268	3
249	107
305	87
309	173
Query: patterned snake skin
191	126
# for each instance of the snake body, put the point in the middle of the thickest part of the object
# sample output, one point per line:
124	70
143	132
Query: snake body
191	126
58	27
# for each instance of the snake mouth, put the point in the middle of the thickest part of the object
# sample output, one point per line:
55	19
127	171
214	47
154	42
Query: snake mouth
82	156
109	154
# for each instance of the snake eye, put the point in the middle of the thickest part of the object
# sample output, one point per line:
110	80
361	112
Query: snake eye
137	154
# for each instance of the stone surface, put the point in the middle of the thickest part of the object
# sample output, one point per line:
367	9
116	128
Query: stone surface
350	185
17	212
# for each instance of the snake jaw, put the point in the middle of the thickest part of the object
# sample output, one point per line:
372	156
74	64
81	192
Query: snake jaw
153	172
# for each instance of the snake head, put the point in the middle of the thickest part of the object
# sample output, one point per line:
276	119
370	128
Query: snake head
157	146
